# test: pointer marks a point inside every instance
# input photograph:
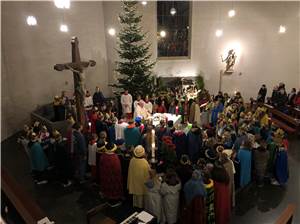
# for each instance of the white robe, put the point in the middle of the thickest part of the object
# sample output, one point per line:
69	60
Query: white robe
170	202
126	101
92	154
141	112
153	200
148	106
88	101
135	103
197	115
119	129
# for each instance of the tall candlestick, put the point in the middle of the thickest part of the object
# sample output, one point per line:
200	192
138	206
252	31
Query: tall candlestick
153	145
90	125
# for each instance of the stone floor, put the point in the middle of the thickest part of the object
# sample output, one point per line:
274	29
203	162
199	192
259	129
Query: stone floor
254	205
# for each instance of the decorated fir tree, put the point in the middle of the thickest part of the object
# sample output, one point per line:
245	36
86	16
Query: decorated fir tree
134	65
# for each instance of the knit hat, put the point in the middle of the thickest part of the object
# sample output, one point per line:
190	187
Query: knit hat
139	151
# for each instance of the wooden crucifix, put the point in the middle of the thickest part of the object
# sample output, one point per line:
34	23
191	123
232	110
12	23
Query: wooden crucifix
77	67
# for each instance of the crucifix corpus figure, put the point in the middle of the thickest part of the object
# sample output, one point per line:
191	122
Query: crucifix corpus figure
230	61
77	67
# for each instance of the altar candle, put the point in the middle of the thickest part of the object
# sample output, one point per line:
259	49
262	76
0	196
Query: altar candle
176	110
153	144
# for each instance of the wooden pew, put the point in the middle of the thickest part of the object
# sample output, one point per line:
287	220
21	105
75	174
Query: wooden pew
286	216
26	207
284	121
294	112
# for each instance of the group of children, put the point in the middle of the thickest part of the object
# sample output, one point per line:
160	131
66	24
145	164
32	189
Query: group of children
196	171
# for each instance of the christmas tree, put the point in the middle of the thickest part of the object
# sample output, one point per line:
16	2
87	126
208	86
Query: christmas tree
134	66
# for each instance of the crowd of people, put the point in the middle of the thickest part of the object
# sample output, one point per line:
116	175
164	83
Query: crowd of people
280	99
64	105
221	145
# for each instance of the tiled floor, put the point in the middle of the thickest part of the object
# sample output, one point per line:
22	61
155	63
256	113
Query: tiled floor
256	205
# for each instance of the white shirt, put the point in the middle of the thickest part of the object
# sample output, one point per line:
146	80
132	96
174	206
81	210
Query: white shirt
119	129
92	154
126	101
148	106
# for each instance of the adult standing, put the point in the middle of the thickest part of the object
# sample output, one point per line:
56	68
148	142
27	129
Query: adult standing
138	174
98	98
126	102
148	105
63	161
79	152
261	96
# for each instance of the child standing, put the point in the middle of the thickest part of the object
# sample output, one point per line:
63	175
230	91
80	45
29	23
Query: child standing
92	149
170	189
153	198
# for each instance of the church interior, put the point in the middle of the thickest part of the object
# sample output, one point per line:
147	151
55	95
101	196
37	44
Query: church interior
177	112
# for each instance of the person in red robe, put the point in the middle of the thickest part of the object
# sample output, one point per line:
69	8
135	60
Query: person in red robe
111	184
93	119
222	194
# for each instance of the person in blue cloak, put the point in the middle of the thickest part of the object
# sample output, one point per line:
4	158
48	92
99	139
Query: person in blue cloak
218	107
38	159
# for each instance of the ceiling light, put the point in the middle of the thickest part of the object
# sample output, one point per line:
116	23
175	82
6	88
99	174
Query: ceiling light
64	28
231	13
144	3
31	21
112	31
163	33
62	4
172	11
282	29
219	33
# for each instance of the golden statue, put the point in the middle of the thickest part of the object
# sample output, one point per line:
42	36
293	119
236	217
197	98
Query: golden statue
230	61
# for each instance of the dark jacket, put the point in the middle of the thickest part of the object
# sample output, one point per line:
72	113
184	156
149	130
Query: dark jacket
79	143
98	98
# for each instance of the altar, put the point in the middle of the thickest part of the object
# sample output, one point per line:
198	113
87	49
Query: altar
157	117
